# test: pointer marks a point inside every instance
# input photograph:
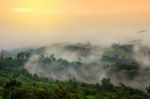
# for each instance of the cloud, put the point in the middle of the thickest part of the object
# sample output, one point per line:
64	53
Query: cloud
23	10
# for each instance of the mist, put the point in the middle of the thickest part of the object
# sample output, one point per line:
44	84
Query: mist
97	29
84	62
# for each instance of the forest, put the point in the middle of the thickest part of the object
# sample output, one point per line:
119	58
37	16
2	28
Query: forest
35	73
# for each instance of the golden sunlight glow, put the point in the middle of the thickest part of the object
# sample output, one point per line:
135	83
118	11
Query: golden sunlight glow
38	12
28	21
23	10
38	4
35	12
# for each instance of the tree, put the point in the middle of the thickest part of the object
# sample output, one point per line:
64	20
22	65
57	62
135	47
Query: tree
22	57
148	89
12	83
2	54
106	84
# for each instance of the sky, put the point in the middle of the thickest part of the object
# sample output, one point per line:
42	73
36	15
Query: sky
42	22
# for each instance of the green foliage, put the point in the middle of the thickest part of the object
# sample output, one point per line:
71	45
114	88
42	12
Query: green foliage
82	49
12	83
17	83
106	84
120	57
22	57
9	95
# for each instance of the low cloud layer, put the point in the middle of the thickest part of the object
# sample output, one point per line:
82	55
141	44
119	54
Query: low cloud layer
84	63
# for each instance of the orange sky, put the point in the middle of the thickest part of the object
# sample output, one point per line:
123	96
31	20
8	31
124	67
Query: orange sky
23	22
74	6
33	10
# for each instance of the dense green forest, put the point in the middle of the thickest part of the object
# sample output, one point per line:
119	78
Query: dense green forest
17	83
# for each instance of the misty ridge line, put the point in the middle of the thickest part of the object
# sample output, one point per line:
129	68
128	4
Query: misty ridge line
127	63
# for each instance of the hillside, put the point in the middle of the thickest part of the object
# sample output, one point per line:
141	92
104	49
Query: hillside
76	71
